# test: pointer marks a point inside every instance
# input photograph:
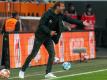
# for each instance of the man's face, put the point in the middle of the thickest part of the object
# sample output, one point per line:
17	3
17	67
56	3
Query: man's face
72	8
89	9
17	17
61	8
66	12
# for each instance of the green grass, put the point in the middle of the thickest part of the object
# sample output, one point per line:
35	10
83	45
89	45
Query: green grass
93	76
37	73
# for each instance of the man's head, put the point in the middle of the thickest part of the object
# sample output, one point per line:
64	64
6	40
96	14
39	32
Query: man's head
15	15
88	7
72	9
59	7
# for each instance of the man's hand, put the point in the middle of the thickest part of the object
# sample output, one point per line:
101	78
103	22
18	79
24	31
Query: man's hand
69	28
86	24
53	33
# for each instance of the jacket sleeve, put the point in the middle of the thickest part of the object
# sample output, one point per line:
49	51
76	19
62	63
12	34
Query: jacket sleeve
17	27
3	27
44	23
72	21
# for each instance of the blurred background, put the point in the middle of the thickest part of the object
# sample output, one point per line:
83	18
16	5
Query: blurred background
30	12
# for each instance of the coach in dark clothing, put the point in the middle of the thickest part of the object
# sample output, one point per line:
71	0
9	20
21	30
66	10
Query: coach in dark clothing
49	31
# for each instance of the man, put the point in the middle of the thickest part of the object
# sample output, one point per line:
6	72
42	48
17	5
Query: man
49	31
11	25
74	15
89	16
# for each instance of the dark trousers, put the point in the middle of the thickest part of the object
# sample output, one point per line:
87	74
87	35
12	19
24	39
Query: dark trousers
5	52
48	43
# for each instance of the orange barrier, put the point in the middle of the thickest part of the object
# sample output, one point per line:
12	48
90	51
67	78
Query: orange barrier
24	9
21	46
17	7
41	9
2	7
48	5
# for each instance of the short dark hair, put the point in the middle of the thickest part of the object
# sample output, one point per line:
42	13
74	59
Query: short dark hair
58	3
14	14
88	6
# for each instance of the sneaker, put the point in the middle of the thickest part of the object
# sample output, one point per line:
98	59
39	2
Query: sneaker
21	74
50	75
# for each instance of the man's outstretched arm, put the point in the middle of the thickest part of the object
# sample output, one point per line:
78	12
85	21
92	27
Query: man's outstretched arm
74	21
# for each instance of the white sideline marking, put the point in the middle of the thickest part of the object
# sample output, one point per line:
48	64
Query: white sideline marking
36	74
79	74
64	76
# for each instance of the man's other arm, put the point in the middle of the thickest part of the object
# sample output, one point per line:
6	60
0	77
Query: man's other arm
72	21
44	23
17	28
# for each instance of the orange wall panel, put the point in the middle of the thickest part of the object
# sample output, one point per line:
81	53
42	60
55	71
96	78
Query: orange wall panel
21	46
25	9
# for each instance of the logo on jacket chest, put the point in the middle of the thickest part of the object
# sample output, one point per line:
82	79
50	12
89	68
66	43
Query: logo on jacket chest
50	21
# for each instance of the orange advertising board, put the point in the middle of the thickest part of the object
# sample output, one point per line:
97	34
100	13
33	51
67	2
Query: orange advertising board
21	46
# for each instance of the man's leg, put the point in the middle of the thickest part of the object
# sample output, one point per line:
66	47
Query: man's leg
48	43
5	52
36	46
7	65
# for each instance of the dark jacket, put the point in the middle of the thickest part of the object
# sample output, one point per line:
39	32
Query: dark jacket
53	22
